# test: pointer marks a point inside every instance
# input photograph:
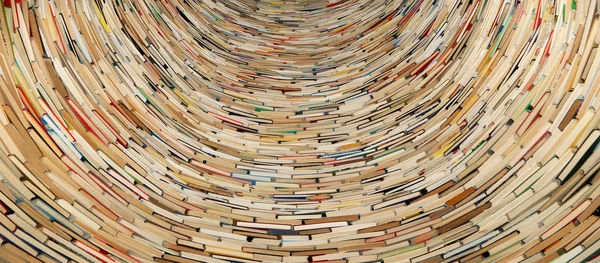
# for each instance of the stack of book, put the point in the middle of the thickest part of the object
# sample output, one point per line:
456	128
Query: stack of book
299	131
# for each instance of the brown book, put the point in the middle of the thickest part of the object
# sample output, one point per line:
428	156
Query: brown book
463	219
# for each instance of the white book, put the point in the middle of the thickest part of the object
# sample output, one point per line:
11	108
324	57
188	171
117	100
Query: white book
321	225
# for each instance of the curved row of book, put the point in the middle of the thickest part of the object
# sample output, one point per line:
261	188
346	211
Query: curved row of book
299	131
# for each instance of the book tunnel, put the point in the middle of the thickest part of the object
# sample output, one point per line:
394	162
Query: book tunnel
339	131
